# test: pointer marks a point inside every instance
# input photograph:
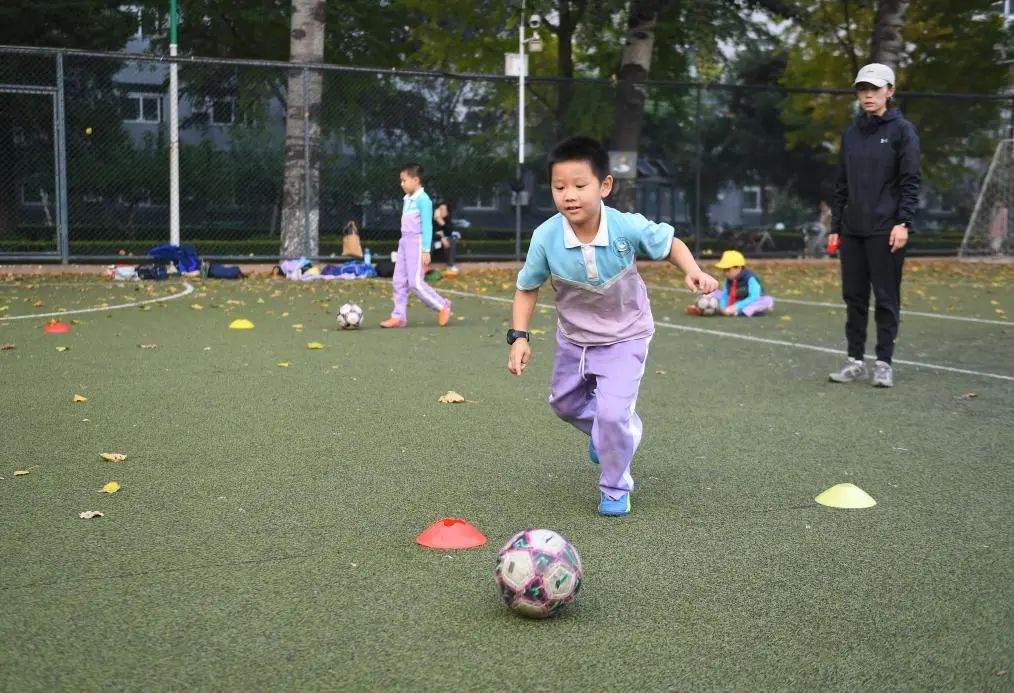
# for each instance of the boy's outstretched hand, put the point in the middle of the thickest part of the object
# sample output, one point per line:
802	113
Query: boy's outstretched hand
517	359
701	282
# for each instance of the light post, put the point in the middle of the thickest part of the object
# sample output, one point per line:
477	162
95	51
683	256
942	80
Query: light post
535	46
174	133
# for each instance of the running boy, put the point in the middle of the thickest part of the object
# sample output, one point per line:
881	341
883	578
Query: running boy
604	320
413	252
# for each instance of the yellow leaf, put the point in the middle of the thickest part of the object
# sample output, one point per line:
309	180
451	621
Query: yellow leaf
62	348
786	317
80	398
197	306
111	487
112	456
451	397
260	300
314	345
283	364
298	326
661	372
148	346
89	514
21	472
538	331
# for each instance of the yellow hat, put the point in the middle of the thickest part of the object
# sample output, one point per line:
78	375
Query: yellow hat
731	258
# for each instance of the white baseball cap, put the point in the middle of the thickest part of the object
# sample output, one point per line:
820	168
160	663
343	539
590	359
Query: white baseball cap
876	74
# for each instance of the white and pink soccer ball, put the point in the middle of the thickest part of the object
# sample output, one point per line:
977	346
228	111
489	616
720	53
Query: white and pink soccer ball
538	573
707	304
350	316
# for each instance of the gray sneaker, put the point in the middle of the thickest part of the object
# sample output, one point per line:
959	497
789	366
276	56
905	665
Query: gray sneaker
853	370
883	375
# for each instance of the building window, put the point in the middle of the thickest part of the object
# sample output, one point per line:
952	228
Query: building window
481	201
142	108
752	199
33	195
217	111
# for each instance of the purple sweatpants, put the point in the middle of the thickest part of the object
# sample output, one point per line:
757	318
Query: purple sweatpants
595	389
408	276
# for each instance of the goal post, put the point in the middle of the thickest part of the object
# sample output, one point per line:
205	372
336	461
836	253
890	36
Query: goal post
989	228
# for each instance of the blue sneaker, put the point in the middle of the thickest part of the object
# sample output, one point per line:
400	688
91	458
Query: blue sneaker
593	454
614	508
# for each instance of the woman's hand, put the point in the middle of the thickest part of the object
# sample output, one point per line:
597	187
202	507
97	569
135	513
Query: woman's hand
898	238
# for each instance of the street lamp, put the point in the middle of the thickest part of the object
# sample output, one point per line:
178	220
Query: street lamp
534	46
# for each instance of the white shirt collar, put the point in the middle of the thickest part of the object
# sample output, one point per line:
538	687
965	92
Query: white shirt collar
570	239
414	195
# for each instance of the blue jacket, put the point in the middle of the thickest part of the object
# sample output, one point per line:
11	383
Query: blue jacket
748	289
878	176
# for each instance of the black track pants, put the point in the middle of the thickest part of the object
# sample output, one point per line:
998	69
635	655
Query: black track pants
868	261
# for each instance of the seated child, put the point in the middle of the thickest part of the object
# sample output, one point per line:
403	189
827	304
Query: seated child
742	293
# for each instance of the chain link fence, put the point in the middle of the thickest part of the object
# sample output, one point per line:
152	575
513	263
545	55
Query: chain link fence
276	160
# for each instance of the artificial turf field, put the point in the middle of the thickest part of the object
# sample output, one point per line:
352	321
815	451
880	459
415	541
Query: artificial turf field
263	537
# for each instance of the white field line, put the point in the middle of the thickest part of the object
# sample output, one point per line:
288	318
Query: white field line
762	340
801	302
189	289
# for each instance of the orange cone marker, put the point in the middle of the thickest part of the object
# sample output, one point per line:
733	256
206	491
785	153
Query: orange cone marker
56	327
451	533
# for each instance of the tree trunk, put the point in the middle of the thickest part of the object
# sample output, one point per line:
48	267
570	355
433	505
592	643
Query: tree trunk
628	110
564	68
887	45
301	202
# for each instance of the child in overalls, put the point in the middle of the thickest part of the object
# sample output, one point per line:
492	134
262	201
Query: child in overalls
413	252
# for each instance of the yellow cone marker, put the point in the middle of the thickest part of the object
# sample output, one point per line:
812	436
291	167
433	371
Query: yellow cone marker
846	496
241	324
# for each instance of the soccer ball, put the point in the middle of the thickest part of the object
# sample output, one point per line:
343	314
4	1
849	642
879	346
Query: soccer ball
707	304
350	316
538	572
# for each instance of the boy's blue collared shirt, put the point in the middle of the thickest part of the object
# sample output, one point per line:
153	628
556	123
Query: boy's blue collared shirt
555	249
600	297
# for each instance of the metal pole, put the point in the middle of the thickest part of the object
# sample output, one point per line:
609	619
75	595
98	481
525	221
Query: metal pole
174	133
521	134
698	165
60	144
306	162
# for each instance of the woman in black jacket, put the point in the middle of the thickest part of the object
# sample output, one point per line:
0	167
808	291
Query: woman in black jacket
875	200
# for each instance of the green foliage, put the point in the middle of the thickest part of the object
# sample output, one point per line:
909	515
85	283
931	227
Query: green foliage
953	49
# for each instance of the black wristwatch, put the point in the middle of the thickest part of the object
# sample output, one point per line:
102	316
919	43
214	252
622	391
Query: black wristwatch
515	335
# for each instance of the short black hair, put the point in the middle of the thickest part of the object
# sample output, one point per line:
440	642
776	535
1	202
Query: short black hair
413	169
581	148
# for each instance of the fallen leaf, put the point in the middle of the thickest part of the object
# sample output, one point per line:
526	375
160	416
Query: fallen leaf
969	395
661	372
39	303
451	397
6	347
283	364
21	472
314	345
112	456
786	317
148	346
111	487
197	306
89	514
62	348
538	331
80	398
298	326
